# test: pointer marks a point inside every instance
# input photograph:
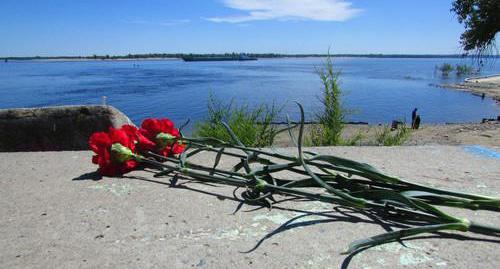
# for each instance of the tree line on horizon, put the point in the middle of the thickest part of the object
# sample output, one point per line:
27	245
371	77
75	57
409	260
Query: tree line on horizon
256	55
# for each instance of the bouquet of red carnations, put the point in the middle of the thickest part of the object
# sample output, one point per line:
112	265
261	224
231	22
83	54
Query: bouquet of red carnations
119	151
327	178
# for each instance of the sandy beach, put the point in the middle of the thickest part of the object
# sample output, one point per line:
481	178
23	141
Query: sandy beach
486	134
489	86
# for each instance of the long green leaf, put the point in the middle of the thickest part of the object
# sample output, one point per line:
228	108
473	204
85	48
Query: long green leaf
395	235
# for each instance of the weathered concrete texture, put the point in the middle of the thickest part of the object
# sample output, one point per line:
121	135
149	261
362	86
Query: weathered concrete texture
55	128
51	220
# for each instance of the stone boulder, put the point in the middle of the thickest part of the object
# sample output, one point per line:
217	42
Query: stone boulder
55	128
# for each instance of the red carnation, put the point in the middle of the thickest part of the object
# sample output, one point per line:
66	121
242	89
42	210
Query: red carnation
114	150
161	136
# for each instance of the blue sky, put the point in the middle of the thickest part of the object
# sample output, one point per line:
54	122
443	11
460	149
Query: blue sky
116	27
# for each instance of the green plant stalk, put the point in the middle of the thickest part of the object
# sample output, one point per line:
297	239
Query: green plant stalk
441	223
403	233
360	169
365	172
242	182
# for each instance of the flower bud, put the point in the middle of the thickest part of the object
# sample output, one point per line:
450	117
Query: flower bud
260	184
121	153
165	139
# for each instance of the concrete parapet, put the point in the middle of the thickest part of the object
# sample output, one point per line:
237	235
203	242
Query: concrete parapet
55	128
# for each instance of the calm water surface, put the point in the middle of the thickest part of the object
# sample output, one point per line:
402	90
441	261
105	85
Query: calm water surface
378	90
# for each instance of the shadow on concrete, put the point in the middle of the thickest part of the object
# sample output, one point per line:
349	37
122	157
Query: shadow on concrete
338	214
437	235
89	176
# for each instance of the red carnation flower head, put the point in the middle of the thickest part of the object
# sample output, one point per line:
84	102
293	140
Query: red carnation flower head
161	136
115	150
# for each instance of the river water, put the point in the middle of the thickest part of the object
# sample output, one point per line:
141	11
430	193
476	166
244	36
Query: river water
376	89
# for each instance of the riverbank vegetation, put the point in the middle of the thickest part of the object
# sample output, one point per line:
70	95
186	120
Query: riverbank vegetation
390	137
331	118
463	70
460	69
253	126
445	69
256	127
328	131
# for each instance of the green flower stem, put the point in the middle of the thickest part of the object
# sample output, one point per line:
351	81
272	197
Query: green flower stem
403	233
373	192
284	190
484	229
199	167
259	171
275	155
240	156
493	203
193	173
447	192
380	208
440	220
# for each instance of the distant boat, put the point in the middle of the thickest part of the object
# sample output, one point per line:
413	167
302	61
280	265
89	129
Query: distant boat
241	57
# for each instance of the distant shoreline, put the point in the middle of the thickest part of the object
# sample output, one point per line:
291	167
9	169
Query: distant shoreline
91	60
179	56
109	60
487	86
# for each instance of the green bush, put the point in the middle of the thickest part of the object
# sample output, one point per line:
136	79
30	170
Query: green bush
387	138
252	126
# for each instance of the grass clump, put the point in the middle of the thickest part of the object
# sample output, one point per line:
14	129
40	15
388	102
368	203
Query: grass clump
252	126
463	69
328	131
460	69
386	137
445	69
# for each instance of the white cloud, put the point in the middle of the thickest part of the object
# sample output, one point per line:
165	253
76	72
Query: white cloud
317	10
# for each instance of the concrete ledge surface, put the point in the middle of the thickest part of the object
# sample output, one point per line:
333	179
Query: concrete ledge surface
55	214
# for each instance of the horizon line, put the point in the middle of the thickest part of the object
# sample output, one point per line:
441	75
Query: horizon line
263	55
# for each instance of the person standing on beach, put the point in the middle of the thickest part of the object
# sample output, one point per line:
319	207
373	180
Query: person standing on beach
413	117
416	125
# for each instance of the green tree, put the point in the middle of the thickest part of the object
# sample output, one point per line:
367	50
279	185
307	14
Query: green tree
481	19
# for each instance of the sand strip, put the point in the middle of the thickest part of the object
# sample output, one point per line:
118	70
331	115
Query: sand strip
489	86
